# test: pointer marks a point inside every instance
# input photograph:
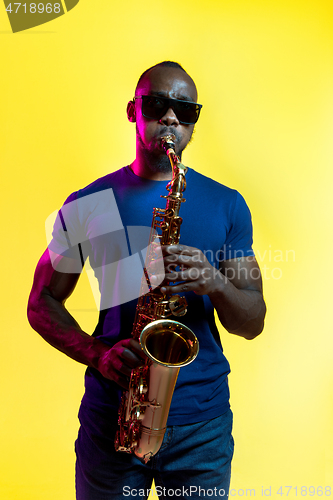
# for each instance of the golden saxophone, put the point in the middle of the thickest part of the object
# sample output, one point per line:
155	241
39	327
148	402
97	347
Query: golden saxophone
168	344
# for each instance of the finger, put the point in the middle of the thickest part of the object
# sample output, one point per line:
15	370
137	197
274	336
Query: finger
135	345
183	260
170	265
174	289
156	279
177	249
132	357
123	382
155	266
188	275
172	261
129	360
123	362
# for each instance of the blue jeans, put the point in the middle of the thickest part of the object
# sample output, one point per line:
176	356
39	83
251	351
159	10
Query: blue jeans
194	461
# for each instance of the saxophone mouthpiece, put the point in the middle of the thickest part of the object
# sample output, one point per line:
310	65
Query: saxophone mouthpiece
168	142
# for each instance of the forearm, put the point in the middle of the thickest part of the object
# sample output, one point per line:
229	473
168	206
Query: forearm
241	312
55	324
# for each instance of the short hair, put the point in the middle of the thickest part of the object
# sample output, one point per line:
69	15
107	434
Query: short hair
165	64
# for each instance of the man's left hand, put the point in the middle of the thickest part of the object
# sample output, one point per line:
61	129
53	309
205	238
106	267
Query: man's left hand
189	269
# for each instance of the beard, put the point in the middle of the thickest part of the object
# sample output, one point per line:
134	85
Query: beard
159	161
156	163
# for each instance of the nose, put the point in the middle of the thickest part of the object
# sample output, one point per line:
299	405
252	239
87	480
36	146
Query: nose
170	118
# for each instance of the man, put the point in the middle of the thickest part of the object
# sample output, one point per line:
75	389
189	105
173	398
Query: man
218	271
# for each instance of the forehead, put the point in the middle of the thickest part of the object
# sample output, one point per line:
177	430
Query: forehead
171	82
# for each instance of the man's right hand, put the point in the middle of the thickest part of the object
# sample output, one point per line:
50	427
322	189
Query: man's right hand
117	363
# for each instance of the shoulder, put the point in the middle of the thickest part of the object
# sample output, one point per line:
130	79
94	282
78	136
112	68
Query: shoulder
213	191
108	181
207	182
112	180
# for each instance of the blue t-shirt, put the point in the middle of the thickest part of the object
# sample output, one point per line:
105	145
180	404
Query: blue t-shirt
98	222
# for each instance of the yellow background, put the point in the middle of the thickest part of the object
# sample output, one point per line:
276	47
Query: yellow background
264	70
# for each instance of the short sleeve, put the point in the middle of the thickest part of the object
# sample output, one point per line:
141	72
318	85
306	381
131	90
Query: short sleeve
239	238
66	237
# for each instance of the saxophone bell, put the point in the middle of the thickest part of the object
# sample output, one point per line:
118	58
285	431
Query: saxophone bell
169	343
169	346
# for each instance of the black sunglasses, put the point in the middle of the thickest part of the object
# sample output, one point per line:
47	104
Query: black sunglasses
155	107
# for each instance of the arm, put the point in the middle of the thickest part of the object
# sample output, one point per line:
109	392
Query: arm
238	299
235	290
49	317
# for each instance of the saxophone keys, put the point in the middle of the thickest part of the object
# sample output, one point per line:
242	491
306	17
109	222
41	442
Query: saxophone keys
178	305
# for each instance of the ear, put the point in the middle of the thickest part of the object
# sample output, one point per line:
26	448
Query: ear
131	112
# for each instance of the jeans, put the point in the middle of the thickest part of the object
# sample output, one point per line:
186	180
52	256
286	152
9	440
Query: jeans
194	461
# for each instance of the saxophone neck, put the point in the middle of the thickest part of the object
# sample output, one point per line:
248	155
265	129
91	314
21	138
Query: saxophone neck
178	183
168	143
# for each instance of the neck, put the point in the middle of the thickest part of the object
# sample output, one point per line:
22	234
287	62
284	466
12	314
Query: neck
145	172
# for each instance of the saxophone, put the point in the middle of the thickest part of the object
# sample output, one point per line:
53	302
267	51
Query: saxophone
168	344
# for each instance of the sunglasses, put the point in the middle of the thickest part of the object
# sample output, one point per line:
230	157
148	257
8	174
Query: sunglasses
155	108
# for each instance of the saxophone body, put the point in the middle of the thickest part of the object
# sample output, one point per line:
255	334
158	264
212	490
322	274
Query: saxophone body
168	344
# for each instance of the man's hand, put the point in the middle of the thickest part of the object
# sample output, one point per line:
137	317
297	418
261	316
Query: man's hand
189	266
117	363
